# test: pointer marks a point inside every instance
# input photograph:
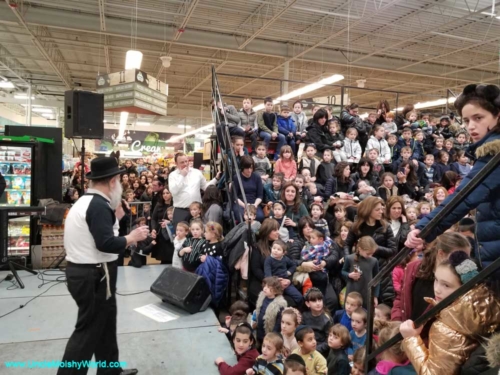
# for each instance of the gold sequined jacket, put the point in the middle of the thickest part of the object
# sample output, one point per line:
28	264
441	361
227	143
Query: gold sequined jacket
455	333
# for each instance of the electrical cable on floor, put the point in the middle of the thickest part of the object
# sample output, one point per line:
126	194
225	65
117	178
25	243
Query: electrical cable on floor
131	294
24	305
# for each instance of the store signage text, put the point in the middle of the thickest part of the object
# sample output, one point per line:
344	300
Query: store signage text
136	146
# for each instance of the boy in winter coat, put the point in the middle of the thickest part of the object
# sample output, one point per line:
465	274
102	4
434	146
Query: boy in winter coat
287	127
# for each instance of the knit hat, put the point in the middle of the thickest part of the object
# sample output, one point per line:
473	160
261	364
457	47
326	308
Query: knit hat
465	266
295	358
466	221
300	328
444	117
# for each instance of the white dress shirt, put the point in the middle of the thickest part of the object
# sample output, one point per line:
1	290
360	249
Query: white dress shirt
186	190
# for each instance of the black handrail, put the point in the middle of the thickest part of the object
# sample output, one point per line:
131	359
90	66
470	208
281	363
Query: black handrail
454	202
441	305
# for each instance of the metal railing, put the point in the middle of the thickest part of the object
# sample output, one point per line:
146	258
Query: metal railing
454	202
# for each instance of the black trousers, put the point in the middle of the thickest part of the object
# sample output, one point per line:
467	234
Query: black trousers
180	214
95	329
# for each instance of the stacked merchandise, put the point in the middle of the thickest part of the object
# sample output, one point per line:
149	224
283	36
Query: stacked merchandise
52	245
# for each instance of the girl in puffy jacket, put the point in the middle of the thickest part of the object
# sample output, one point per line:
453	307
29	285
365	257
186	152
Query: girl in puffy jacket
378	142
454	334
352	148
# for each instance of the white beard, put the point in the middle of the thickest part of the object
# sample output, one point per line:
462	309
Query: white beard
116	195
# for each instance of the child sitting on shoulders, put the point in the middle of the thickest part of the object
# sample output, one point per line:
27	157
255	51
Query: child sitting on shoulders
338	342
269	362
281	266
181	233
317	217
269	308
317	318
317	253
290	320
353	301
358	333
191	251
286	163
315	362
243	344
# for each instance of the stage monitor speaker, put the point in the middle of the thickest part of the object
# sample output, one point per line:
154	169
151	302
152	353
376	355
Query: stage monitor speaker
83	115
183	289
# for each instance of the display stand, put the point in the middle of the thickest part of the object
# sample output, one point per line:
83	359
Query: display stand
5	214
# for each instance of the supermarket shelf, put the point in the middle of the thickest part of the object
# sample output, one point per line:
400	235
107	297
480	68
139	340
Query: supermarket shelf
17	189
18	248
15	161
17	175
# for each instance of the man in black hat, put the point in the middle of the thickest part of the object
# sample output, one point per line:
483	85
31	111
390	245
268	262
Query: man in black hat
92	248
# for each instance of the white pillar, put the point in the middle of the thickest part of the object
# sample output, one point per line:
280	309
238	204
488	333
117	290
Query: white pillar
286	75
28	108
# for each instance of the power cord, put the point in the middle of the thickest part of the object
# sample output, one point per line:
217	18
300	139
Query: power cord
131	294
25	304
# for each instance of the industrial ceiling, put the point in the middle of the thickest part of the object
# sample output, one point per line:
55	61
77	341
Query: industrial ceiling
420	48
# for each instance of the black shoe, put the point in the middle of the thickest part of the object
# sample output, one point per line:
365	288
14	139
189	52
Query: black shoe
131	371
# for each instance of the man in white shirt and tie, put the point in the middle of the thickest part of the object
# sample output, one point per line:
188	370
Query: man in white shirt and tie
185	185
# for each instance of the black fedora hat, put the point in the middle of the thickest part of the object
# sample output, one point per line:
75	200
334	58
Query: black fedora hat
104	168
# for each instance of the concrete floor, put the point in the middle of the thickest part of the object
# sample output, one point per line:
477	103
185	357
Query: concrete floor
39	331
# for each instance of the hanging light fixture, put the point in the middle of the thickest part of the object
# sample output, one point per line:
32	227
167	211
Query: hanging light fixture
304	90
133	60
123	124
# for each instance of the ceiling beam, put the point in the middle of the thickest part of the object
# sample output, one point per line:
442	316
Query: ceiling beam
266	24
332	36
180	30
102	18
415	37
48	50
12	65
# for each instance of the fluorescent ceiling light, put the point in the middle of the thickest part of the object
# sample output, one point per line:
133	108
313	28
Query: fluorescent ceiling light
48	115
142	123
304	90
23	96
6	85
184	126
199	130
123	124
133	60
320	11
432	103
455	37
42	110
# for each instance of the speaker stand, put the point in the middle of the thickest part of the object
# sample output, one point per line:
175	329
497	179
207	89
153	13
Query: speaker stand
14	267
82	178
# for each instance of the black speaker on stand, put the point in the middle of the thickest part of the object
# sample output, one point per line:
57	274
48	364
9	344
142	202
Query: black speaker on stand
84	119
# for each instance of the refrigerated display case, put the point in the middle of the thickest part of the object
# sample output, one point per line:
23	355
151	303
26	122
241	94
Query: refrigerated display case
16	167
